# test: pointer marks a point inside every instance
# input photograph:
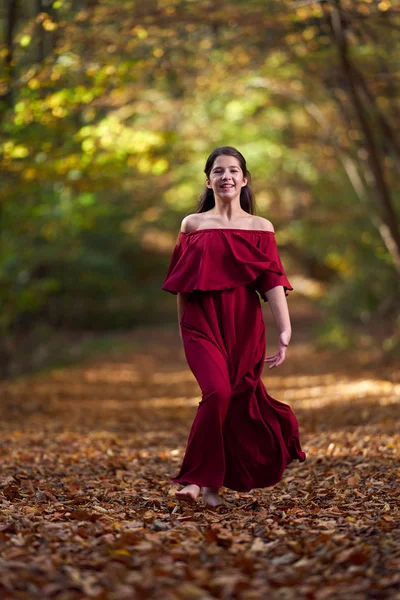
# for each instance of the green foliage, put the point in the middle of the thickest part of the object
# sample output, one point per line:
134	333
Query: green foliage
110	112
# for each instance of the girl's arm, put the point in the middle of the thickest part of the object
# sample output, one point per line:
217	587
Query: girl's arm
280	311
182	300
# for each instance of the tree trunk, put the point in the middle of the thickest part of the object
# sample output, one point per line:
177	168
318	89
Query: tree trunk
11	20
389	229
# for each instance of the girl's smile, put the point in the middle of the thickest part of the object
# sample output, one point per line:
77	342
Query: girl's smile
226	176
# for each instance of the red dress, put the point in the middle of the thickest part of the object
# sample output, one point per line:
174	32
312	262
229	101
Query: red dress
241	437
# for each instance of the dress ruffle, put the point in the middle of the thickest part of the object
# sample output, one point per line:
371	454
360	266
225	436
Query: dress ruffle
220	259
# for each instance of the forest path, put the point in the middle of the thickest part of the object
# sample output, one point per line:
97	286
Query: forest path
88	508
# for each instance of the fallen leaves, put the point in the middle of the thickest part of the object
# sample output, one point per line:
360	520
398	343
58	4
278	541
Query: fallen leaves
88	507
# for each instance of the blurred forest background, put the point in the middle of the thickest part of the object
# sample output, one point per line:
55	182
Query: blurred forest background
109	110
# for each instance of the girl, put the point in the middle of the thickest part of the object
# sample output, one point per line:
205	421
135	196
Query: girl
241	437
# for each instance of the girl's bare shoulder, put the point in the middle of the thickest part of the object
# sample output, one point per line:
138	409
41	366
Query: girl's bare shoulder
264	224
191	222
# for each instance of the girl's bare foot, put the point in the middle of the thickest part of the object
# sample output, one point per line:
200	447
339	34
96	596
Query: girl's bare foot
188	494
211	497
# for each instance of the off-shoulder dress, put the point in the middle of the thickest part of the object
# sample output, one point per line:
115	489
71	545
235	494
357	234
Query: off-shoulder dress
241	438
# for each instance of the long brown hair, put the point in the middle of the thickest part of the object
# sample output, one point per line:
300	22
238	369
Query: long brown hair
247	200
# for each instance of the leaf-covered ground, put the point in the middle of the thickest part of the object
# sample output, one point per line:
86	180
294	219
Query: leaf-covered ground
88	509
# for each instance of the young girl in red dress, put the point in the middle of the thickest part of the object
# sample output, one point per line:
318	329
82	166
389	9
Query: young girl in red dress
241	437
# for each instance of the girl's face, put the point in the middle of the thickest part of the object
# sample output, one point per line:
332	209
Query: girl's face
226	177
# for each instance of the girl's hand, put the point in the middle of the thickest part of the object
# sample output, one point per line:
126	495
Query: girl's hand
279	357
